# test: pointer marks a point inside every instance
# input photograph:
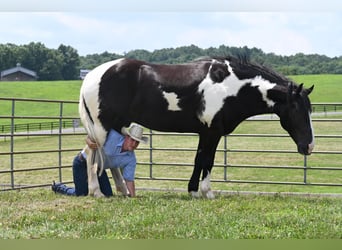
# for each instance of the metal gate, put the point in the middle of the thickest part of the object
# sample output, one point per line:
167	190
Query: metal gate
28	160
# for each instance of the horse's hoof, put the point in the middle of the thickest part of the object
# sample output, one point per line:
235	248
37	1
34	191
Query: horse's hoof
209	195
122	189
195	194
98	194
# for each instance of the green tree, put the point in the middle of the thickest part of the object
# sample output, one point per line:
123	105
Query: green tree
70	62
7	56
51	69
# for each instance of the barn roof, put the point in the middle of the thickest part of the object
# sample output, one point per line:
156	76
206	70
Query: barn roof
18	68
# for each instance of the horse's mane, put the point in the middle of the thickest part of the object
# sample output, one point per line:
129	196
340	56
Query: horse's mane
243	59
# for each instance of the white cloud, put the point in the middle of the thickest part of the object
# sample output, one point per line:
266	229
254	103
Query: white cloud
262	30
279	32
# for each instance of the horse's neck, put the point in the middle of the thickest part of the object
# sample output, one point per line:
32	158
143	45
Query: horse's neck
278	94
271	97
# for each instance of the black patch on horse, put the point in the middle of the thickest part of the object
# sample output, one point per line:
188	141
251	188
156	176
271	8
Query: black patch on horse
87	110
218	72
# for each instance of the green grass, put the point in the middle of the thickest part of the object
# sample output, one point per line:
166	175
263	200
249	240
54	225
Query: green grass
52	90
328	88
155	215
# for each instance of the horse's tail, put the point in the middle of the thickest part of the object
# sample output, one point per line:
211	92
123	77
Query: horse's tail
96	156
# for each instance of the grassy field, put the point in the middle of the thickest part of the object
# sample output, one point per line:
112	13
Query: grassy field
154	215
52	90
328	88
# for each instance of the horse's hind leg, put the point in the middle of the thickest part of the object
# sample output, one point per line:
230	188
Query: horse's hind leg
93	181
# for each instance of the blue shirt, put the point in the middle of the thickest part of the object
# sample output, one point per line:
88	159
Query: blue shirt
117	159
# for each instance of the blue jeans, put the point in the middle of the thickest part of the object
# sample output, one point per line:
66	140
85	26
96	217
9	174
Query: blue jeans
80	176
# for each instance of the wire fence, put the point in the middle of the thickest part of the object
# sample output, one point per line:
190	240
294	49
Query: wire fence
24	165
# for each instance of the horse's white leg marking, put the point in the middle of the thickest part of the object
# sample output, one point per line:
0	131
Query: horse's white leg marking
195	194
206	188
119	181
93	182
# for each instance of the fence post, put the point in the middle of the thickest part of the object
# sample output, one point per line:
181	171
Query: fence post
60	141
225	155
28	130
12	143
151	154
305	169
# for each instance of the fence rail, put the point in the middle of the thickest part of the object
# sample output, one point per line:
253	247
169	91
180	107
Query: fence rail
63	129
35	126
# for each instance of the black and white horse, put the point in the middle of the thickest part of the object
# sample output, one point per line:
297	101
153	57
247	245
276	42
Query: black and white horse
208	96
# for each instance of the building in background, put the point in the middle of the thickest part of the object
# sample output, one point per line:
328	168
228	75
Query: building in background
18	73
83	73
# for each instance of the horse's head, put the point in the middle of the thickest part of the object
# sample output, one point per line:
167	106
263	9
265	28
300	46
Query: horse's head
295	117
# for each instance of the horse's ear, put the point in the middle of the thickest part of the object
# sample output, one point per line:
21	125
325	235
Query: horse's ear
309	90
290	92
299	89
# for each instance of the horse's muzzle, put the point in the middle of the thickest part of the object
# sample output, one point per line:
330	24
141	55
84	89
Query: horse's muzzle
305	149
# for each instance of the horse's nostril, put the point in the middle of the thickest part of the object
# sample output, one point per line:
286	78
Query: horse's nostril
302	149
305	149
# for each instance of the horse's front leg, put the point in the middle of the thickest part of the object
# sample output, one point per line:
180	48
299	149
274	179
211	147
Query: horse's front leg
119	181
196	173
203	163
206	187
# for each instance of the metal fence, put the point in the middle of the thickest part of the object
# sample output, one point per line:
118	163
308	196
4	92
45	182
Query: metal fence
25	166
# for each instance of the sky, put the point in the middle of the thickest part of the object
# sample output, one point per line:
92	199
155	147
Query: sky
90	27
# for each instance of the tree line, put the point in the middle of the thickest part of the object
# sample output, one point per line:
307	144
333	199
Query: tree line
64	62
298	64
49	64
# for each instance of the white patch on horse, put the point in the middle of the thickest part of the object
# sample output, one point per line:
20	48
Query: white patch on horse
264	85
172	100
312	144
90	92
214	94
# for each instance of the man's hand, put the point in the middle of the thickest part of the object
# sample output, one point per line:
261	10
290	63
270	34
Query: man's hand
91	144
